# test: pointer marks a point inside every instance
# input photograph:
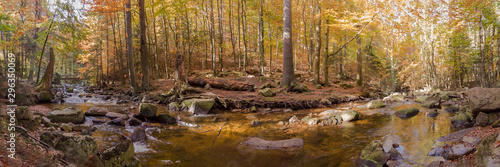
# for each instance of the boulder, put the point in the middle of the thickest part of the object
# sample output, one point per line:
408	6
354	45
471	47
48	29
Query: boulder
451	109
139	134
482	119
258	143
267	92
67	115
325	102
488	152
395	155
82	127
45	97
199	106
395	97
67	127
458	151
294	120
96	111
349	115
76	148
134	122
114	115
407	113
436	151
23	113
147	110
100	120
121	154
433	113
174	106
117	122
373	155
461	120
446	95
484	100
165	119
375	104
431	104
421	99
310	120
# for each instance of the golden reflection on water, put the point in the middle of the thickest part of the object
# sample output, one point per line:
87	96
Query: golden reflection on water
323	146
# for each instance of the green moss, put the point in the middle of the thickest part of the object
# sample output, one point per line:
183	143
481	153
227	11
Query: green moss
407	113
375	104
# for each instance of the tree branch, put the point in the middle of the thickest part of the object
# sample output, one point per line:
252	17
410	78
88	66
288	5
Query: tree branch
354	37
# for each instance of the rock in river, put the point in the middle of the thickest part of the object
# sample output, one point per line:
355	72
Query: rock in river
373	155
488	152
96	111
198	106
76	148
461	120
67	115
375	104
458	151
258	143
147	110
407	113
484	100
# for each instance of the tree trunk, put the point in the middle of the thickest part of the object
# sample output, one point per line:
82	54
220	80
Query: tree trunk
318	48
167	51
325	61
46	82
261	36
144	50
134	88
221	35
288	73
245	49
359	56
233	42
221	84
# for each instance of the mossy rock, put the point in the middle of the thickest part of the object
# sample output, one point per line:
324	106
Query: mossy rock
76	148
23	113
451	109
165	119
198	106
349	115
346	85
487	153
421	99
373	155
67	115
432	104
119	155
446	95
148	110
407	113
310	120
461	120
267	92
45	97
318	86
375	104
174	106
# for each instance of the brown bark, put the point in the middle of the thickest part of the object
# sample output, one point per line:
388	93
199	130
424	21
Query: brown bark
144	49
288	72
46	82
130	62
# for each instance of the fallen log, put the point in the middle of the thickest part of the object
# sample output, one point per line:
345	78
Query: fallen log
220	84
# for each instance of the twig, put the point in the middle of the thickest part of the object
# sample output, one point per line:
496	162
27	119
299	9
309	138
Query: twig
220	129
41	142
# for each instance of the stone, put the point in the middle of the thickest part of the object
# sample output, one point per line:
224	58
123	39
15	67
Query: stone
395	97
208	87
289	144
407	113
433	113
437	163
81	127
46	121
294	120
174	106
458	151
375	104
96	111
288	110
461	120
349	115
280	123
66	127
484	100
117	122
139	134
100	120
492	117
198	106
255	122
165	119
496	124
48	138
482	119
318	86
67	115
134	122
45	97
432	104
373	155
114	115
395	155
488	152
451	109
446	95
147	110
23	113
471	140
310	120
76	148
421	99
121	154
436	151
267	92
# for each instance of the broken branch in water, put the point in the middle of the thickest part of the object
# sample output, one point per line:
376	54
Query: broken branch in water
220	129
